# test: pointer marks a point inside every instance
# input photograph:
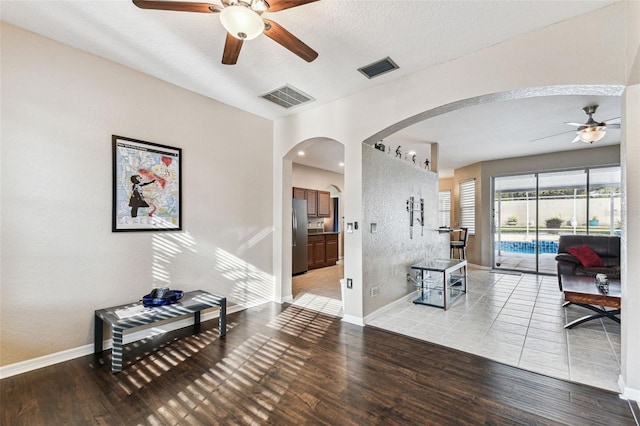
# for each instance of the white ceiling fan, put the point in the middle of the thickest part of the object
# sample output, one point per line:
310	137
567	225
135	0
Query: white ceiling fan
589	132
592	131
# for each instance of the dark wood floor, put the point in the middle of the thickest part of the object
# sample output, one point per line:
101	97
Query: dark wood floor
280	364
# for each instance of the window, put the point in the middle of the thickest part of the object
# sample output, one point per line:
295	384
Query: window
444	209
468	205
605	201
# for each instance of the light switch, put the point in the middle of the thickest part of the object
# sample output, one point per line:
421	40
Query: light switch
374	228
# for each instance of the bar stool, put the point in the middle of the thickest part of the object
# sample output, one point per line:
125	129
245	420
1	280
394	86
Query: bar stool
460	245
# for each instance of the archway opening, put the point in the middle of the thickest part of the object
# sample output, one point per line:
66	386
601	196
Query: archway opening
316	171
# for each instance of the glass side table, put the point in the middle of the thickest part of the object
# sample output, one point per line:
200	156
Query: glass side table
441	281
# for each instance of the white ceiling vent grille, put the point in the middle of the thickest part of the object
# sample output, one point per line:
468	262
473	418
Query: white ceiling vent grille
287	96
378	68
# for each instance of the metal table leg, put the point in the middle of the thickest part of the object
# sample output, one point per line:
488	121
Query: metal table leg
222	320
116	351
98	330
600	313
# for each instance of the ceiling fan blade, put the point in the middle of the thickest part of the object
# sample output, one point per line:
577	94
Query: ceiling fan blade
180	6
231	50
577	139
278	34
550	136
576	124
276	5
612	125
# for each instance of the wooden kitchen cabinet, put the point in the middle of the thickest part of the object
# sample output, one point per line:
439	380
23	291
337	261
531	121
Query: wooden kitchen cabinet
324	204
331	249
310	253
318	202
322	250
299	193
312	202
317	253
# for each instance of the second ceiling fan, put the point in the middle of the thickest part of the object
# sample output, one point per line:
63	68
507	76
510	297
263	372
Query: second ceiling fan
242	19
589	132
592	131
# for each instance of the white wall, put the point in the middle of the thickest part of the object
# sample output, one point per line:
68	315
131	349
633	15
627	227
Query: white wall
630	315
630	153
551	56
313	178
518	63
60	260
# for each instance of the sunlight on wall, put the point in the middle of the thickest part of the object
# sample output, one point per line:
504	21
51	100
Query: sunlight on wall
165	248
251	285
259	236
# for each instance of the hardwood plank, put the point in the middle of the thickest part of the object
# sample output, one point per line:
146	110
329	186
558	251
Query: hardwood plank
20	406
281	364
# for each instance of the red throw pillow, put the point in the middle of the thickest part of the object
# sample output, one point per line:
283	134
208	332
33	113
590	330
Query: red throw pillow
586	256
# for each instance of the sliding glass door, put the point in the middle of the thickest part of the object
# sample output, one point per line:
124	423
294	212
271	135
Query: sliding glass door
605	201
562	206
531	211
515	219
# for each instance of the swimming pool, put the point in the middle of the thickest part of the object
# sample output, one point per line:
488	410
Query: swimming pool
526	247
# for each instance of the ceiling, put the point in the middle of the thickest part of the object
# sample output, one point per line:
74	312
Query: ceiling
321	153
506	129
186	49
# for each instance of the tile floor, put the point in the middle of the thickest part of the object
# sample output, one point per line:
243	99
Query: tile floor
517	320
527	262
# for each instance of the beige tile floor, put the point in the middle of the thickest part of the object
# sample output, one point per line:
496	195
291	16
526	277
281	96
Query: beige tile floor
517	320
527	262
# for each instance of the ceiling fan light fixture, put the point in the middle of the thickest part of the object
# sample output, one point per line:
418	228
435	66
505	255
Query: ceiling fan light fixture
259	6
592	134
241	22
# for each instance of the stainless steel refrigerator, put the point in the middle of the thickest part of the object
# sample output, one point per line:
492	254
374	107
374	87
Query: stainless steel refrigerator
299	237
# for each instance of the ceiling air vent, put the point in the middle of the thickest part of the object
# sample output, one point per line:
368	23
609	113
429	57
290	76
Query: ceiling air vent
287	96
378	68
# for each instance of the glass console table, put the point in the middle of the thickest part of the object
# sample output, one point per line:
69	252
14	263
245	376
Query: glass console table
441	281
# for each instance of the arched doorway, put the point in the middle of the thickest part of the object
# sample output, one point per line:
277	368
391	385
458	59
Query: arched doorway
312	233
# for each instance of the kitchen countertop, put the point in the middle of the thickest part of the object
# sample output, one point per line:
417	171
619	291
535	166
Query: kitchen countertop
314	232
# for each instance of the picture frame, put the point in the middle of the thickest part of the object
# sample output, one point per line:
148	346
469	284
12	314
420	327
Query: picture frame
147	179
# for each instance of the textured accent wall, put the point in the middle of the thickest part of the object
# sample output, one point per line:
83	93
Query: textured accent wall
388	182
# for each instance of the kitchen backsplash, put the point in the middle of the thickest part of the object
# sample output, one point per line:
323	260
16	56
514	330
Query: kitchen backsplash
316	224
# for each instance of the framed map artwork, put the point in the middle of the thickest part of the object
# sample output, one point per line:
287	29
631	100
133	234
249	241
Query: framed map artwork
146	186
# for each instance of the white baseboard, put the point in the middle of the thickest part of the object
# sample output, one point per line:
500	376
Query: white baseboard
626	392
481	267
393	305
362	321
44	361
352	319
69	354
251	304
281	300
